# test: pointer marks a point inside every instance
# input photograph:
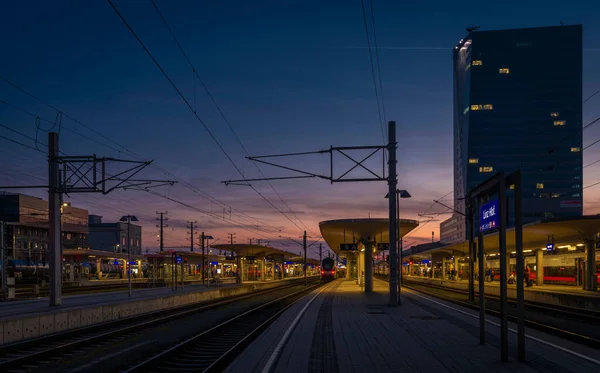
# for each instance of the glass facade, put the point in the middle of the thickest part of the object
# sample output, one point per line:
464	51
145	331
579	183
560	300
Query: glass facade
518	105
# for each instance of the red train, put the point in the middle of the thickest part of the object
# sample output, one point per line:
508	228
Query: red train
561	269
327	269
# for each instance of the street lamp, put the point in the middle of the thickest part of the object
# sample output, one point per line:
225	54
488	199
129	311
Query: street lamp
128	219
399	194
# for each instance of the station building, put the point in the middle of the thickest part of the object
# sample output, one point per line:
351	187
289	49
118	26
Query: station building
27	226
518	106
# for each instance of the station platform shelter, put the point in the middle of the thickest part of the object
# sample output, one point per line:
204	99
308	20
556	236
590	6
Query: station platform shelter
556	252
356	241
89	265
264	263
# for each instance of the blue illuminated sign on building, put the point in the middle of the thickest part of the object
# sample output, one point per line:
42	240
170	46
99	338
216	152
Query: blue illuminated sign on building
550	246
489	216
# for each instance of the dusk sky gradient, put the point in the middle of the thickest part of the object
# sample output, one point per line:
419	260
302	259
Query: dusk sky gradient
290	76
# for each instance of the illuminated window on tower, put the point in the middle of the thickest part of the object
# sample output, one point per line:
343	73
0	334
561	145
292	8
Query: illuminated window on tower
486	169
554	114
558	123
504	70
575	149
539	185
473	160
477	63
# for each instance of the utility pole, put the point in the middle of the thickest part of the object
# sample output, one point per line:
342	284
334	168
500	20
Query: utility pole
203	270
162	219
3	258
250	241
304	245
392	182
231	237
320	253
192	226
54	231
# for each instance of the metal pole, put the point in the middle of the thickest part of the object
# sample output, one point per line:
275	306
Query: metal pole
481	259
192	237
520	267
472	251
320	254
400	246
203	271
54	231
503	274
392	181
3	256
128	255
305	267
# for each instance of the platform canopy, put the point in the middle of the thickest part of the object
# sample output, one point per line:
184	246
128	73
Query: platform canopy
91	254
535	235
300	260
336	232
251	250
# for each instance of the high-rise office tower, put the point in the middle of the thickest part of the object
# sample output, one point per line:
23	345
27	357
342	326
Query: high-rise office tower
518	105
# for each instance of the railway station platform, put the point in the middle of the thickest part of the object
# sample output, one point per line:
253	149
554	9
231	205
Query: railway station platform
20	320
563	295
346	330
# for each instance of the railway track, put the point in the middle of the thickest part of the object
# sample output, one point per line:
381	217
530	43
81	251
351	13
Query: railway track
565	311
213	349
31	354
555	320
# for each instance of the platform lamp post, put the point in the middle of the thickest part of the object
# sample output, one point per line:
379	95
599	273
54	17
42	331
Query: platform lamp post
399	194
129	219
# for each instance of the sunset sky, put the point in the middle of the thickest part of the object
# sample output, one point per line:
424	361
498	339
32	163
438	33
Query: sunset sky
289	76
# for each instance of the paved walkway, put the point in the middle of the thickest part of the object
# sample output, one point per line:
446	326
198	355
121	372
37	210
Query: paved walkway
345	330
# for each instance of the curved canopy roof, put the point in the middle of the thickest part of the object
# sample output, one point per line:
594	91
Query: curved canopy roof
535	235
336	232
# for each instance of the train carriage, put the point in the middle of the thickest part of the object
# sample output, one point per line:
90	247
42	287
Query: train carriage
327	269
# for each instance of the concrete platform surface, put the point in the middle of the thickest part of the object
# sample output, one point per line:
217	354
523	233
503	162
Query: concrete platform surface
345	330
22	308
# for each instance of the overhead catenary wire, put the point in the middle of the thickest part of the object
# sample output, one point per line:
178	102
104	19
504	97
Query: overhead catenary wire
364	13
182	96
220	111
125	149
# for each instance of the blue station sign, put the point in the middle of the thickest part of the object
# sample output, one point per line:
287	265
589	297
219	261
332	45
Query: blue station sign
489	216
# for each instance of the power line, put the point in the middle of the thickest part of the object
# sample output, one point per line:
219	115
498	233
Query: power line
126	150
378	65
431	219
194	111
218	107
592	95
372	68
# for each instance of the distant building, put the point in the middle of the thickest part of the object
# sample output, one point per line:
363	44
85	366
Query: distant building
27	226
518	105
451	231
113	236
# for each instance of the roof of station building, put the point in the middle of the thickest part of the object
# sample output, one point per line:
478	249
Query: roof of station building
336	232
251	250
535	235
